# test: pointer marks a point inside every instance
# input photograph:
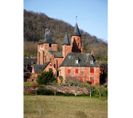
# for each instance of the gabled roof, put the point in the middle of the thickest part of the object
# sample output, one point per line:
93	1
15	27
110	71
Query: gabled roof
39	68
56	54
66	40
79	60
76	30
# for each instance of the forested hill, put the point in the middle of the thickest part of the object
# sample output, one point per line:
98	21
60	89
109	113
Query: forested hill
35	24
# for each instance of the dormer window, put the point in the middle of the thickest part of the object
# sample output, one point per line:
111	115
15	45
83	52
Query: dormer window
77	61
91	62
69	56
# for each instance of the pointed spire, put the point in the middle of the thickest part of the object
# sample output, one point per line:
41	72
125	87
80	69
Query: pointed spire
66	40
76	30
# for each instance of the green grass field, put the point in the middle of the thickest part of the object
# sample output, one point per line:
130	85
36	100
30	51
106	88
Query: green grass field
64	107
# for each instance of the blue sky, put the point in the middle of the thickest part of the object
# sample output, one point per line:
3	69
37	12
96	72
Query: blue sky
92	14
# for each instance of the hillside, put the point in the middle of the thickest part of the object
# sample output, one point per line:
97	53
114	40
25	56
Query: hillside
35	24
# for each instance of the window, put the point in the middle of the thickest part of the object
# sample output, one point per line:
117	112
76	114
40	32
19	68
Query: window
56	63
76	61
81	79
57	73
49	44
91	70
69	56
91	62
76	71
54	66
68	71
92	80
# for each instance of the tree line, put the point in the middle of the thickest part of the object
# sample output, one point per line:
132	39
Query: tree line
36	23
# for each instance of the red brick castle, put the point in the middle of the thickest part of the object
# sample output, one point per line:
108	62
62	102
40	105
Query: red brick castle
70	63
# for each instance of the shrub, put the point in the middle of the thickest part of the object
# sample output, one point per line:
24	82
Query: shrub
30	84
30	88
46	78
95	92
73	82
29	91
43	90
103	91
85	84
99	91
61	79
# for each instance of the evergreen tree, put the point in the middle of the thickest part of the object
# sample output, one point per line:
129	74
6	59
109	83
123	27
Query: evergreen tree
46	78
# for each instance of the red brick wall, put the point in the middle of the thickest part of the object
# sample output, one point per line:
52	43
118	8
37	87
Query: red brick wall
54	47
62	73
81	73
58	61
97	76
42	52
66	49
50	66
46	46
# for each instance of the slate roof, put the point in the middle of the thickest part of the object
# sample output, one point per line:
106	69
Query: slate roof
56	54
39	68
29	61
79	60
48	37
66	40
76	30
49	40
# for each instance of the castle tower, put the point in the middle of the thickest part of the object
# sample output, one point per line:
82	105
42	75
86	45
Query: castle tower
76	40
48	44
66	48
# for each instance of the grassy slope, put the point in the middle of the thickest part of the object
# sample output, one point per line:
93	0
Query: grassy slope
64	107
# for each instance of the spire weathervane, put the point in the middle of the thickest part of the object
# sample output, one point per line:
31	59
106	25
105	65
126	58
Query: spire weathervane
76	19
